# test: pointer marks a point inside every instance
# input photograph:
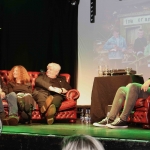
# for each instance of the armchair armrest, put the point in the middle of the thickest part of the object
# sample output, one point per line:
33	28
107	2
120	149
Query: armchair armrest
72	94
139	103
147	102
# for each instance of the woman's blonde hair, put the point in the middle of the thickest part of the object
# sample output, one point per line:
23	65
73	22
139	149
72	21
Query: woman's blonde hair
24	76
81	142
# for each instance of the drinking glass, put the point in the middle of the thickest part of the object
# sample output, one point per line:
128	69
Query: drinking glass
100	71
106	70
111	72
127	69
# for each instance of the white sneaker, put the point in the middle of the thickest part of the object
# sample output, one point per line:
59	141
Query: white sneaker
97	124
102	123
118	124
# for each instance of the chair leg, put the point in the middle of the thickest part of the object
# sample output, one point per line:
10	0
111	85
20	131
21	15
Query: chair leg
146	126
72	121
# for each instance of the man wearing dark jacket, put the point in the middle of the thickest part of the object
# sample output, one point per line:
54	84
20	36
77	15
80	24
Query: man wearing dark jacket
49	90
140	43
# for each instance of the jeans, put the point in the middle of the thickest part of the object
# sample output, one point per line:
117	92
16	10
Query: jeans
12	103
1	106
127	96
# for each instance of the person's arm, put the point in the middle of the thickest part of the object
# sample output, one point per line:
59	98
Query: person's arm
145	86
64	85
122	44
29	88
2	94
109	44
41	81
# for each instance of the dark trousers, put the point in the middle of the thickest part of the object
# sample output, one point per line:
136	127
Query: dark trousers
40	98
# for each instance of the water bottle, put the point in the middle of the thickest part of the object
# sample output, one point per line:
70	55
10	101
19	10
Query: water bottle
89	117
86	117
82	116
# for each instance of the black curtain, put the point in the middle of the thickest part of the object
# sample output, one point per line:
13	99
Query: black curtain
37	32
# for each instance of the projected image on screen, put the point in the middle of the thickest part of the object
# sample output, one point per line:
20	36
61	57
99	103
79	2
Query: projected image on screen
123	37
119	38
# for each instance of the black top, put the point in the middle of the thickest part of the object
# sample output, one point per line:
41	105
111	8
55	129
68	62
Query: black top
140	44
43	82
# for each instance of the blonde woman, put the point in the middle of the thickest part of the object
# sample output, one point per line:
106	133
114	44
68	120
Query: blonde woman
81	142
19	90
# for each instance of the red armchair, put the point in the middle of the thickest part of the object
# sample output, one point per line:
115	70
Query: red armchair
68	109
141	113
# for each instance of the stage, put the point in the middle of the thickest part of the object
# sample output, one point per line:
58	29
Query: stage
49	137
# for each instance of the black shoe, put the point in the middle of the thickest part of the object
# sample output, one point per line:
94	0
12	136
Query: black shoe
103	123
25	118
12	120
118	124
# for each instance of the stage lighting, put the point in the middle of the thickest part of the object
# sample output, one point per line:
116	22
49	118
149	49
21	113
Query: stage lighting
74	2
92	11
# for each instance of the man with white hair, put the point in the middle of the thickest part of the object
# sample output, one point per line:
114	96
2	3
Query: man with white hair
49	90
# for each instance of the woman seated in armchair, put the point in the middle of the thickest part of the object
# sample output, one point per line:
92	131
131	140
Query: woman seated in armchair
2	95
18	94
127	96
49	91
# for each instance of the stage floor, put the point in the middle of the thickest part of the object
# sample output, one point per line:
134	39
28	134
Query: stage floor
64	129
49	137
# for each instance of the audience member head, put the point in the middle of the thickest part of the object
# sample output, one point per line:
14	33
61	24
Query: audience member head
19	73
140	33
81	142
116	32
53	70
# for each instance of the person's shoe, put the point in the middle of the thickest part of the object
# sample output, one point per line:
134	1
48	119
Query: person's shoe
25	118
50	120
118	124
12	120
47	103
2	116
50	114
103	123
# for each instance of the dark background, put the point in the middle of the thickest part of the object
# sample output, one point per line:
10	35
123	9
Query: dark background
38	142
35	33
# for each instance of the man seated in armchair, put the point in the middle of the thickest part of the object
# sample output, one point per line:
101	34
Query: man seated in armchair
127	96
50	90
